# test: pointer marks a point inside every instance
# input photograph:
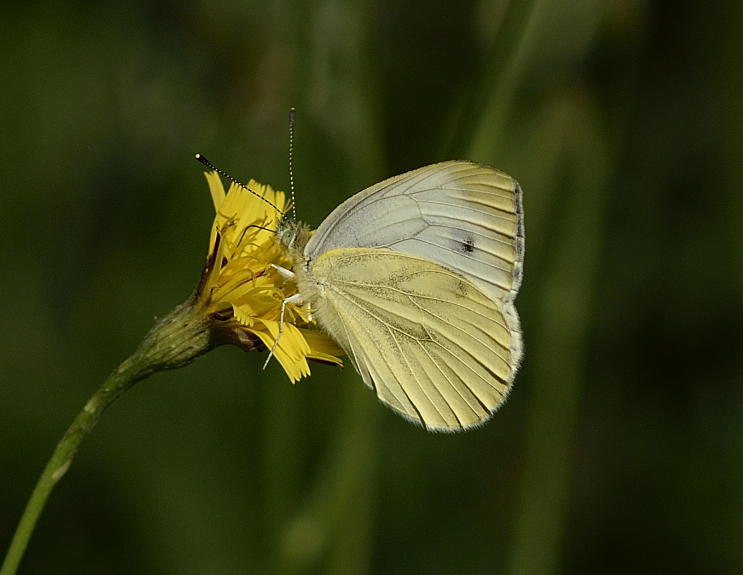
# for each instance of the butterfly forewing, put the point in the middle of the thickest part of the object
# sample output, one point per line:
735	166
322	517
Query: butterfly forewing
461	215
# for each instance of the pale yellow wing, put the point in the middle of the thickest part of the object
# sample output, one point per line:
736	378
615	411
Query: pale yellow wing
432	344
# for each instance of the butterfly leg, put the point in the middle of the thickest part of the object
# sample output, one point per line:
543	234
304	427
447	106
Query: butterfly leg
296	298
288	275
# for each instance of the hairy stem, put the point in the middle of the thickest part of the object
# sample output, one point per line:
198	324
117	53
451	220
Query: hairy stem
173	342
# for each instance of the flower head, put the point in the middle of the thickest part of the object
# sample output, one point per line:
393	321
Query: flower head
242	292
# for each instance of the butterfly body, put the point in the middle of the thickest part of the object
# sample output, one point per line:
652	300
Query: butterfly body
415	279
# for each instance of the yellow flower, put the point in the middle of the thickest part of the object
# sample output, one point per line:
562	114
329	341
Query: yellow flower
238	300
242	292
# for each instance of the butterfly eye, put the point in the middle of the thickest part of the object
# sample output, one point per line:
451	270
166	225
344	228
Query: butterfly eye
287	237
286	232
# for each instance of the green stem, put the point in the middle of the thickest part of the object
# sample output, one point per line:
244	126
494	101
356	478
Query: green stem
176	340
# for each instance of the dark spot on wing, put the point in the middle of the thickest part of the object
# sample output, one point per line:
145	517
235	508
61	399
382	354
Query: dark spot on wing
468	245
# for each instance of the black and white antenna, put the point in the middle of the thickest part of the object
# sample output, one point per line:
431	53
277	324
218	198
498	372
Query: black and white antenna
211	166
292	120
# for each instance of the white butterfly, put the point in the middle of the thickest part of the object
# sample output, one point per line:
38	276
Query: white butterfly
415	278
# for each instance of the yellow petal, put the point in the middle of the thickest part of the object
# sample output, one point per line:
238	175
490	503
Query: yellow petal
216	188
322	347
291	352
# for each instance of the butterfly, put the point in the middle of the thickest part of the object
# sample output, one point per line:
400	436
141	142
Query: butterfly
415	278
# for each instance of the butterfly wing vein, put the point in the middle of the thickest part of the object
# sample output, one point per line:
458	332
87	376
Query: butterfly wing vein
461	215
432	345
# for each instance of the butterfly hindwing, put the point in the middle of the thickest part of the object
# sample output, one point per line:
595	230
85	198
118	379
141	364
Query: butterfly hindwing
432	344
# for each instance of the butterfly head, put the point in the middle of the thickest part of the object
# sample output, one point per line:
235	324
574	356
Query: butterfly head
293	236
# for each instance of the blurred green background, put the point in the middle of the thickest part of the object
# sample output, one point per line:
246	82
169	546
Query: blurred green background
621	447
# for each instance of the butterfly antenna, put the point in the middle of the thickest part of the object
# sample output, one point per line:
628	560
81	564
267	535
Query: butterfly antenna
287	274
292	121
211	166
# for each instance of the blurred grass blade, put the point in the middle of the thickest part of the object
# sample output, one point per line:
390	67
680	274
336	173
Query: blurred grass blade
733	86
334	528
557	350
501	73
330	528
